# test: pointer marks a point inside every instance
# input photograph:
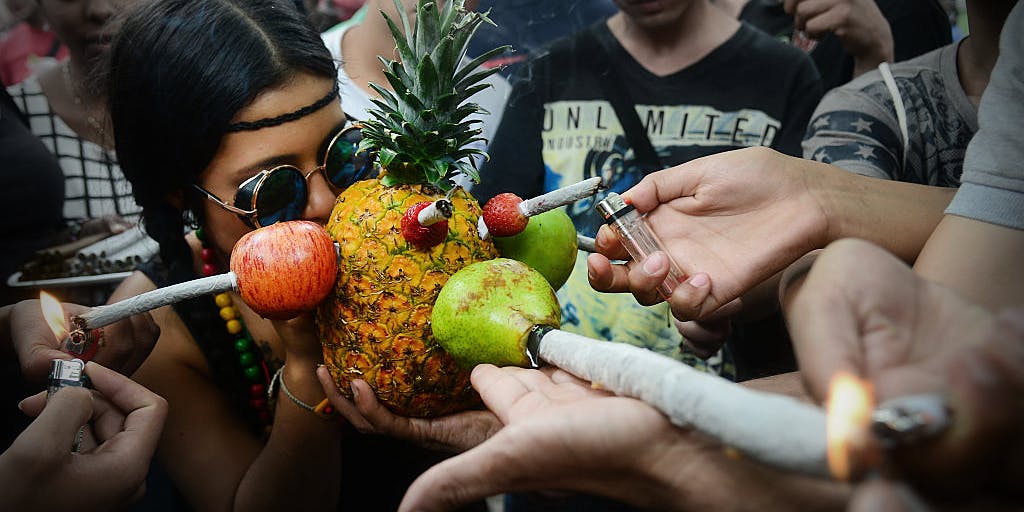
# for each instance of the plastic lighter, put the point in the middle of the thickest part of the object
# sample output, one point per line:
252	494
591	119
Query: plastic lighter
637	237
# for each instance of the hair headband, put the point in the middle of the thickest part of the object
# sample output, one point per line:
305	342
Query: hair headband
284	118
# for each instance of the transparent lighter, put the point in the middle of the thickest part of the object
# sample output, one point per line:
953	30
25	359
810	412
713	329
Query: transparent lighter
637	237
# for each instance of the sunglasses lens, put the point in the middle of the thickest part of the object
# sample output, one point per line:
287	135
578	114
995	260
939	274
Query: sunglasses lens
343	165
281	196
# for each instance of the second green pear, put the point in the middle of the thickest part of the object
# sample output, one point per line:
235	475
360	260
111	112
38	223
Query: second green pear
548	244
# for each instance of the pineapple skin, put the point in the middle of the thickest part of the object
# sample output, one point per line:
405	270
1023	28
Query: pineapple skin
375	325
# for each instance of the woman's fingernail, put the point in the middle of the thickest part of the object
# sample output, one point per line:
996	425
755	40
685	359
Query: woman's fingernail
355	392
654	264
21	405
699	280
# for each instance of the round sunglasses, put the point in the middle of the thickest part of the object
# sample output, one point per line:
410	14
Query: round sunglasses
281	193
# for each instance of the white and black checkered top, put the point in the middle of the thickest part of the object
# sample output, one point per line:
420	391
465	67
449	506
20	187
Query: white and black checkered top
94	185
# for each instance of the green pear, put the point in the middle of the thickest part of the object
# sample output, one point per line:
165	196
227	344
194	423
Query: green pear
485	312
548	244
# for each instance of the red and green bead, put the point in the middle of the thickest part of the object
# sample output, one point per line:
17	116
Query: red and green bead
250	360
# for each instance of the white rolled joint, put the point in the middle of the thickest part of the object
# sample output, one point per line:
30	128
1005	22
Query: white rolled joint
559	197
775	429
586	243
481	229
435	212
105	315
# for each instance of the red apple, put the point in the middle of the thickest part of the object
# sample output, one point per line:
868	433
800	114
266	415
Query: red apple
285	268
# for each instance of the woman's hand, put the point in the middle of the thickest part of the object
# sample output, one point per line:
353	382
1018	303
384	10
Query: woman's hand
126	343
453	433
301	344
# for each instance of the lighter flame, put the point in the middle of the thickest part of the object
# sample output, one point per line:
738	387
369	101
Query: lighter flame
847	425
53	312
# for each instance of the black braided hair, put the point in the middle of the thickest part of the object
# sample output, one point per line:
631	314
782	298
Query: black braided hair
243	126
178	73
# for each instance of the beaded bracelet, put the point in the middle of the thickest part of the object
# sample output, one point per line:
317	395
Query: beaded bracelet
322	409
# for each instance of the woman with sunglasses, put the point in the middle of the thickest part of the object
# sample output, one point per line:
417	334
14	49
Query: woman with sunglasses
227	119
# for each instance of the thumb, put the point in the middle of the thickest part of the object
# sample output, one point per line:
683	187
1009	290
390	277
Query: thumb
34	404
486	470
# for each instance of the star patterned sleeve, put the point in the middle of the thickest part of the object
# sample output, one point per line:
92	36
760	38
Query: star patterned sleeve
849	129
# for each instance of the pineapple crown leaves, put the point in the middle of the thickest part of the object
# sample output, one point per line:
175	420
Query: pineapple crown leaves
420	127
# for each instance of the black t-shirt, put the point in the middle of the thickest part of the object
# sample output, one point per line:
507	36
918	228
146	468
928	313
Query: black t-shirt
918	27
559	128
31	194
528	25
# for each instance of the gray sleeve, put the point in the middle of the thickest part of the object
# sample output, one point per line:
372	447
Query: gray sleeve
849	129
992	187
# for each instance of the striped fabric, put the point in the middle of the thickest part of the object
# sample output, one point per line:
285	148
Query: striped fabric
94	185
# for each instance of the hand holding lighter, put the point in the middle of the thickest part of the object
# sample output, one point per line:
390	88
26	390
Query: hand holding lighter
637	237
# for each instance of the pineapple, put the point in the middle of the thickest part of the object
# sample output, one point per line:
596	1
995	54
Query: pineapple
375	326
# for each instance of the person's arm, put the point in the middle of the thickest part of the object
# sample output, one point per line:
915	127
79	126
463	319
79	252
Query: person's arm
976	249
896	215
979	260
214	459
741	217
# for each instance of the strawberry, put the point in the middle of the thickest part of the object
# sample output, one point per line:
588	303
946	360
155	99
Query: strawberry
502	215
420	236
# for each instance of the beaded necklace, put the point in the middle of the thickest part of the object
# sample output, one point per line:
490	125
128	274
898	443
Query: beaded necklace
254	368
